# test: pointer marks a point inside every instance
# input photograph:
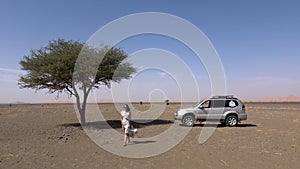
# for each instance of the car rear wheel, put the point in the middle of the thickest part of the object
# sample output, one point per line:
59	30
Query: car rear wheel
188	120
231	120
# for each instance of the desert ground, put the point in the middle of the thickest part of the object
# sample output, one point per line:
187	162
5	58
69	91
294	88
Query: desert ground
37	136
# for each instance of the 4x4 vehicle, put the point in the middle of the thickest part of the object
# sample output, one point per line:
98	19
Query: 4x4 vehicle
226	109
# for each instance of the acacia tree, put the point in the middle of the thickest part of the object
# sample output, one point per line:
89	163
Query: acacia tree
52	67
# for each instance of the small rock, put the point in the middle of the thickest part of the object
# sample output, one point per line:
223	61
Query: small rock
278	154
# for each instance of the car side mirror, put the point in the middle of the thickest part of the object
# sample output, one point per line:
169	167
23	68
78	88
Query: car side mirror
201	107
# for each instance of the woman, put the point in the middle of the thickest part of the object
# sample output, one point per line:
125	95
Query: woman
125	121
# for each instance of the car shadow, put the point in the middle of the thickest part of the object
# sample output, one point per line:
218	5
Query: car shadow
246	125
220	125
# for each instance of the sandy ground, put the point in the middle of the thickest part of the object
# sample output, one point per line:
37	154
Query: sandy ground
48	136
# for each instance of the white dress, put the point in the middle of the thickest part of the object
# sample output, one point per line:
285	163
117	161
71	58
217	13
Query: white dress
125	120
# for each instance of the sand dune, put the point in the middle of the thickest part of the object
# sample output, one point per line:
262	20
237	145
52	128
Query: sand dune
280	99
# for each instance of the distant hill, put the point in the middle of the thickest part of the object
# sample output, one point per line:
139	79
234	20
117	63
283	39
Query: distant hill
104	101
280	99
19	102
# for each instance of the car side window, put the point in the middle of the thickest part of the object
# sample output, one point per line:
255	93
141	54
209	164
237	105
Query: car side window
218	103
206	104
231	103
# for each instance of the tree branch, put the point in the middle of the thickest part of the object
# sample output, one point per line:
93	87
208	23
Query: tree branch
70	91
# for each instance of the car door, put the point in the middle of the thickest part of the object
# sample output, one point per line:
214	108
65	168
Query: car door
216	109
203	109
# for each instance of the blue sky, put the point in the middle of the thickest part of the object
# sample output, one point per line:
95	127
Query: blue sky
257	41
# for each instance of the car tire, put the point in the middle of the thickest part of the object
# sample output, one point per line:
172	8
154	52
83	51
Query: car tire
231	120
188	120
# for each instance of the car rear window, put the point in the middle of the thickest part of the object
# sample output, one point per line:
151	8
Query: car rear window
231	103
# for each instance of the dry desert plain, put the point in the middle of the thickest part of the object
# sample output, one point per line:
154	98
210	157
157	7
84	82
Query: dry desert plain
37	136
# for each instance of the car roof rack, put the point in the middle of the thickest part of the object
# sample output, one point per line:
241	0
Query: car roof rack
223	97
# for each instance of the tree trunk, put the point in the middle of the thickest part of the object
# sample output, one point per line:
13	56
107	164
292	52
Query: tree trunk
82	116
82	107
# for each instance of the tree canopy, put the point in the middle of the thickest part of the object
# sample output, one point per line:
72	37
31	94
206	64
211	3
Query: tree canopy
53	67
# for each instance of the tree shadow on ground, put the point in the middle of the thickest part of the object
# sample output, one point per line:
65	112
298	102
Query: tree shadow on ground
143	142
70	125
116	124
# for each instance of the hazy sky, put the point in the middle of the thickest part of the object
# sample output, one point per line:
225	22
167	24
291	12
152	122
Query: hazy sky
258	42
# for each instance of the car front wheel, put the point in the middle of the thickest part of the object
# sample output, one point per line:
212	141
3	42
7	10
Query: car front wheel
188	120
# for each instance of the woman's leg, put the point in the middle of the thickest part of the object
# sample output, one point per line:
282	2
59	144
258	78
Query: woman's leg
126	139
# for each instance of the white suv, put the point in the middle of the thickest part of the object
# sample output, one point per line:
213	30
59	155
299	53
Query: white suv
226	109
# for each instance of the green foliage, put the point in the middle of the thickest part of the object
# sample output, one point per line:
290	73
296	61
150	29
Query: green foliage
52	67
